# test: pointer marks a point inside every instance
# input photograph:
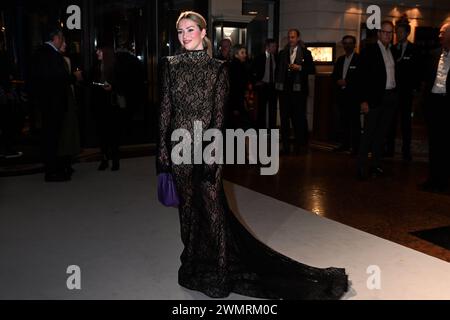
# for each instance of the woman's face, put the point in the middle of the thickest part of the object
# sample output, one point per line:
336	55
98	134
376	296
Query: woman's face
63	47
190	35
99	53
241	55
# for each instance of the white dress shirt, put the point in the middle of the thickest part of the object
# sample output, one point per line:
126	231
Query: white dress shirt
402	46
294	55
389	63
347	62
266	78
440	84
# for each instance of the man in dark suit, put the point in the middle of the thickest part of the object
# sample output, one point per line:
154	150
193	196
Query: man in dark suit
345	78
295	64
407	77
437	109
224	50
49	82
263	74
378	98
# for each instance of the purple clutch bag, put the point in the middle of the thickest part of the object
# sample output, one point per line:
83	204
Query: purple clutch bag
167	192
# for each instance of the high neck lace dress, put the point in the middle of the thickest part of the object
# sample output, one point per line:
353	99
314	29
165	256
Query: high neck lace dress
220	255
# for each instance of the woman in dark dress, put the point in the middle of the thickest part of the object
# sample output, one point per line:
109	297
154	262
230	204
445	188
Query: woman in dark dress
220	255
106	108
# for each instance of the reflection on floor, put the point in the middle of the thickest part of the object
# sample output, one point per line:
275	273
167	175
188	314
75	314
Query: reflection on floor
390	207
128	246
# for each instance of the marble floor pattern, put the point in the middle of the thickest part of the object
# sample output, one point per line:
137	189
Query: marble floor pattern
127	245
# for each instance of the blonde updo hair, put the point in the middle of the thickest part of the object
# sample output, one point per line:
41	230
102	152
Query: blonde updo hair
198	19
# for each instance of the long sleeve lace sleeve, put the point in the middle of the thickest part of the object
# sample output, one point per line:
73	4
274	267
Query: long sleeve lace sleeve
213	172
221	90
164	115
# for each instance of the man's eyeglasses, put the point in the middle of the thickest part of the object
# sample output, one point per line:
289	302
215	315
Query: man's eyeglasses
386	32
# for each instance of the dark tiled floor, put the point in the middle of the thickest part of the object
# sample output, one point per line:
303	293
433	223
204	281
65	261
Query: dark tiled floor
391	207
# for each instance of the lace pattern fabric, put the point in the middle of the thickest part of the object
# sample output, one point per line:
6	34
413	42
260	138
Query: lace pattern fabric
220	255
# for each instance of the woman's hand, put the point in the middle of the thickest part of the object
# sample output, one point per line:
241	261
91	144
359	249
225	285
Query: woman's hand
107	87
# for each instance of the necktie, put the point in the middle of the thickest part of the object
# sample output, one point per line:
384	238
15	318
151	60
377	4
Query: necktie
271	69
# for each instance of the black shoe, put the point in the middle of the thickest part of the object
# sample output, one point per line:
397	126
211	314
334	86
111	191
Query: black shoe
377	172
103	165
115	165
56	177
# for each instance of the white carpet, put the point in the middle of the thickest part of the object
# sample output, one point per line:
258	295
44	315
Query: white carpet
128	246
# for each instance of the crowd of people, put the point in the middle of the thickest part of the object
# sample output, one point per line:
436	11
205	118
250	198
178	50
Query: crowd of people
374	94
380	83
114	85
271	76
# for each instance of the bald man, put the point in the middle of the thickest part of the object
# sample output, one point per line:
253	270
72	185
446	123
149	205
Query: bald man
437	110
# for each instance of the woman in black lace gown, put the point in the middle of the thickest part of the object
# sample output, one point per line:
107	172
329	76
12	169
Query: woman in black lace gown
220	255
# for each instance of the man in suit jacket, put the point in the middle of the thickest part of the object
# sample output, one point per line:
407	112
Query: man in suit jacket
437	108
263	74
224	50
49	82
295	64
345	79
408	73
378	98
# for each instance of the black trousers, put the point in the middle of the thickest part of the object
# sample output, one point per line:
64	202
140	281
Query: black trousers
405	102
293	108
110	122
8	127
438	114
267	99
376	127
349	121
52	120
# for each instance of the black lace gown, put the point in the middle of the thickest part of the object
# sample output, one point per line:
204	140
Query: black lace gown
220	255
